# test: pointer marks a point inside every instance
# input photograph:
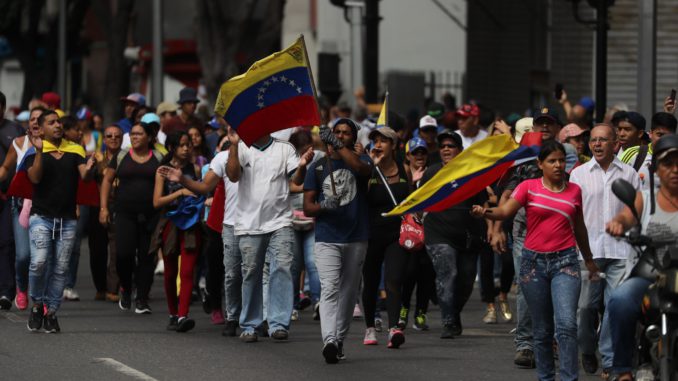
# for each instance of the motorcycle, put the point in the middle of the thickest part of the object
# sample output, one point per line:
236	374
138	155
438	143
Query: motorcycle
657	341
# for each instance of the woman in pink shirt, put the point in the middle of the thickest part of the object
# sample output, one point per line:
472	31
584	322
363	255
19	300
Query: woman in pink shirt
549	269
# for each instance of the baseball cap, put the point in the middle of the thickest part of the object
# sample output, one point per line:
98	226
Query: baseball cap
164	107
428	121
570	131
188	94
23	116
449	134
436	110
664	146
60	113
214	123
468	110
636	119
386	132
523	126
546	113
415	143
149	118
83	113
587	103
52	99
137	98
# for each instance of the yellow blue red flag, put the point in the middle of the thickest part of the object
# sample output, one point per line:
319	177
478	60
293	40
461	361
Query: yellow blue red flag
383	115
275	93
470	172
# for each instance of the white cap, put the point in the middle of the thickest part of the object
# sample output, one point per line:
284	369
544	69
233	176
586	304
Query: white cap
427	121
522	126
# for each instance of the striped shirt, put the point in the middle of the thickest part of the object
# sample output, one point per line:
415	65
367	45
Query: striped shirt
550	215
600	205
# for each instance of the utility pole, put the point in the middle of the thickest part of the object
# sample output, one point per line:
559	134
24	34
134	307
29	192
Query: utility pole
61	56
647	56
355	11
601	60
157	69
371	56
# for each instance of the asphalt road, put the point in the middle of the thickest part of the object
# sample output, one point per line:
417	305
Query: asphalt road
100	342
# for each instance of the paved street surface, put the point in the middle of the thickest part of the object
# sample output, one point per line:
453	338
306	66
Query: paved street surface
100	342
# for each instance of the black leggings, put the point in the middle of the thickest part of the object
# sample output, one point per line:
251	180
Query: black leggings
133	238
215	268
420	273
97	240
487	289
384	248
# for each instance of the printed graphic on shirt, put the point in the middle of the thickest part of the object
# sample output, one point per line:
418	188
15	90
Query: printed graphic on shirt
344	183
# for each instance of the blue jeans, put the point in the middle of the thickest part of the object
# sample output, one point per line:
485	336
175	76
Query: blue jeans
51	241
592	294
278	246
551	283
624	307
523	339
233	273
22	245
304	259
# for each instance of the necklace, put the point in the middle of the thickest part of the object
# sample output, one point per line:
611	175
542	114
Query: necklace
562	187
668	198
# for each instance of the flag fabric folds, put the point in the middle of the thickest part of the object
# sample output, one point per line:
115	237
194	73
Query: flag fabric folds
21	186
383	115
275	93
470	172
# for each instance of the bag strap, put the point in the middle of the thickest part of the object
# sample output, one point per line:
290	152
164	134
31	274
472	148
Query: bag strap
640	157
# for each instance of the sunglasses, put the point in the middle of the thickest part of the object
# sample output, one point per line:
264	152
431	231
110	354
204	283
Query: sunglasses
113	136
448	146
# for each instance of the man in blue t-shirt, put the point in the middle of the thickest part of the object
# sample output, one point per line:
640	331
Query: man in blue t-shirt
335	192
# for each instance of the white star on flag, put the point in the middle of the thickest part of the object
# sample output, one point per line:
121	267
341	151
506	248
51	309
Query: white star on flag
260	104
299	90
283	79
266	83
292	83
262	89
274	79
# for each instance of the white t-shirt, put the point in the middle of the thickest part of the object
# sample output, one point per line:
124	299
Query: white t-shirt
264	193
218	166
467	141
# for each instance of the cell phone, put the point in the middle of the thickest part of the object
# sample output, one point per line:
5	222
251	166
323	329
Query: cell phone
558	92
673	94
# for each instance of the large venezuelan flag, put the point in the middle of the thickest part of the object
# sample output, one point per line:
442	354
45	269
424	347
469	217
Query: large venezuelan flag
275	93
469	173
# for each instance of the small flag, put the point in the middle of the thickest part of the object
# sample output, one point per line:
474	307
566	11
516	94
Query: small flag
470	172
275	93
383	115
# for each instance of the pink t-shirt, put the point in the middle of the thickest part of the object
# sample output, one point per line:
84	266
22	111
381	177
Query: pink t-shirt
550	215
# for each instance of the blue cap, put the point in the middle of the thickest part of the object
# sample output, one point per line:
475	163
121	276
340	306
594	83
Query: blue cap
149	118
23	116
214	123
83	113
415	143
587	103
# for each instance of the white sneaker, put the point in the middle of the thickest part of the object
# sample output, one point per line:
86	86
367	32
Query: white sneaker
370	337
295	315
159	268
357	312
71	294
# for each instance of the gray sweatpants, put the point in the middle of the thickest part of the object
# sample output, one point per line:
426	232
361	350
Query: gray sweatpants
340	270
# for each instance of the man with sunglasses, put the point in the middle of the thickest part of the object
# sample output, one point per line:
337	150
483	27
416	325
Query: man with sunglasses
453	240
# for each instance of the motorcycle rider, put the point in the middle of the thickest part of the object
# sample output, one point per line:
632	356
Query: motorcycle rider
660	223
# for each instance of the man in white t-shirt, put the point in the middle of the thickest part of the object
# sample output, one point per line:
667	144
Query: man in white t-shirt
232	257
263	227
469	130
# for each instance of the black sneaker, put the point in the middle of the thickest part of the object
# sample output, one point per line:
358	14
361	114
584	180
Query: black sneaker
447	333
125	301
5	303
173	323
35	318
230	328
185	324
280	334
51	324
524	359
589	363
340	351
304	303
456	329
331	352
316	312
262	330
142	307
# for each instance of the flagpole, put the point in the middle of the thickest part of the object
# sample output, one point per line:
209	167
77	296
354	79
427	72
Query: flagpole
386	111
317	108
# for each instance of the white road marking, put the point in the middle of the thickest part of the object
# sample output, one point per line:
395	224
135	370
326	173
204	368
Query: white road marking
14	318
124	369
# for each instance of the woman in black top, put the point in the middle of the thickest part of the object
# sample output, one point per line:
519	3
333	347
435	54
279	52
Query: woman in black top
168	196
134	214
383	246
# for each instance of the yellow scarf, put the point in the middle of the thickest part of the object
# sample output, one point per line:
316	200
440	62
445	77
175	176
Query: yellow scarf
64	146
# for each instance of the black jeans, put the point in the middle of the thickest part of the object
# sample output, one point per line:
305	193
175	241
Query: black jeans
215	268
384	248
487	289
420	273
97	241
7	251
133	237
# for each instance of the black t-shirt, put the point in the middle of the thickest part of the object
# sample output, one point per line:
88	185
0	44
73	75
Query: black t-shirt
434	157
136	182
454	226
8	132
55	195
170	187
379	202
